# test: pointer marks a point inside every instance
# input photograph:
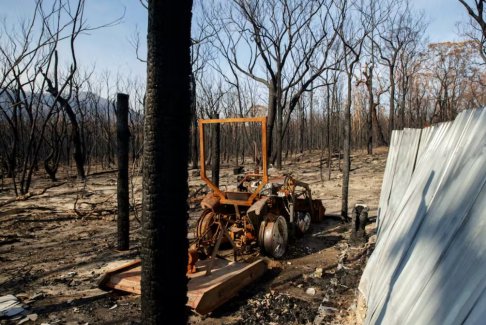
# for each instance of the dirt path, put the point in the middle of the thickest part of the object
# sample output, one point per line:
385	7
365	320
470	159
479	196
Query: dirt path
51	253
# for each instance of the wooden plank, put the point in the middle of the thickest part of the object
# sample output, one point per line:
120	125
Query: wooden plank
127	266
205	293
127	280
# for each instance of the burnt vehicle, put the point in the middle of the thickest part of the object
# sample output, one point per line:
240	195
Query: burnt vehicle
261	213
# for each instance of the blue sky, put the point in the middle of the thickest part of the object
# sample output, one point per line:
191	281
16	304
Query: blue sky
109	48
443	16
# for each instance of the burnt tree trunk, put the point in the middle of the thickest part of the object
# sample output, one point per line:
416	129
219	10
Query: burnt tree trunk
279	130
347	151
311	121
328	137
371	102
272	107
76	138
392	98
236	145
79	153
51	163
301	126
123	136
378	130
194	133
216	150
402	105
164	242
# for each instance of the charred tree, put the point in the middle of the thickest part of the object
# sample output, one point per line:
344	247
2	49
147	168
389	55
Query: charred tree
371	107
194	136
347	147
301	127
78	155
167	119
123	137
51	163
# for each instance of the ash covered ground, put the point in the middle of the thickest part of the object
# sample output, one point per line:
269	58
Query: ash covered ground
52	251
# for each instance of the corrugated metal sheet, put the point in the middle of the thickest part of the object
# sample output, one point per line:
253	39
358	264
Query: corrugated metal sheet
429	264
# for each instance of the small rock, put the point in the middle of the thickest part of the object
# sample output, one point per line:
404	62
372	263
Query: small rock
310	291
318	273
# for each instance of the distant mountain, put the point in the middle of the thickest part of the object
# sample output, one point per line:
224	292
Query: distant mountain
88	102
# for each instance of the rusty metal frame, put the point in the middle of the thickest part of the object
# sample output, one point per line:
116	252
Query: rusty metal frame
202	156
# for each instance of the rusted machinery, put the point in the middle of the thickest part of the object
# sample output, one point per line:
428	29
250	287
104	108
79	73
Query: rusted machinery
261	213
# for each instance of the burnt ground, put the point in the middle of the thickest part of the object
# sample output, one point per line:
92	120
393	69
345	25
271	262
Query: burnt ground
55	245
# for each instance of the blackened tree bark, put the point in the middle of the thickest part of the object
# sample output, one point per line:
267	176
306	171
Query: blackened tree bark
167	119
311	120
403	94
58	131
371	107
328	126
392	98
347	146
194	133
272	113
374	131
79	154
380	137
123	136
216	150
301	127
